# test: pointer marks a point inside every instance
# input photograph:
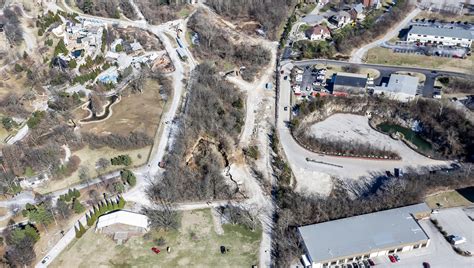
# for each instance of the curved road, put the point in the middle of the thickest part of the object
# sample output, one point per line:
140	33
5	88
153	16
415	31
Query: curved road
358	55
309	172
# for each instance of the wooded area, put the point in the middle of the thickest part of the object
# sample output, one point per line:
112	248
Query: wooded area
270	14
206	135
296	209
217	45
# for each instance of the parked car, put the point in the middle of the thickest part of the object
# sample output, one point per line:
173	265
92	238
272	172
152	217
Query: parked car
371	262
396	257
46	259
155	249
355	265
286	108
392	259
286	77
426	265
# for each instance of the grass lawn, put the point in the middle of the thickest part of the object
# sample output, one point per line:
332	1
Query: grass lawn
195	244
386	56
445	17
447	199
128	115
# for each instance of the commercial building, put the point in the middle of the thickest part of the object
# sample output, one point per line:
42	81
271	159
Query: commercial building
349	83
399	87
366	236
440	36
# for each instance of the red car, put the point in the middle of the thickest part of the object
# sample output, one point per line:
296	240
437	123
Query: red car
392	259
155	249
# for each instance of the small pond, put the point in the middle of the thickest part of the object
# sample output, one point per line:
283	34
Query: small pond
409	135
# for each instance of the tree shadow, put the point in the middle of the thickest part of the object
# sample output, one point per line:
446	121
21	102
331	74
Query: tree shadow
467	193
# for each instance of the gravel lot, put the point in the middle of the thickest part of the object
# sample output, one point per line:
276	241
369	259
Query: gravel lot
355	128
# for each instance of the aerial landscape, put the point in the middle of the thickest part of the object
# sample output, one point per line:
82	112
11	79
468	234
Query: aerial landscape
237	133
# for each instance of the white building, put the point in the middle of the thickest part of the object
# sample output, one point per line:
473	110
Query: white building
350	240
440	36
318	32
135	221
341	19
400	87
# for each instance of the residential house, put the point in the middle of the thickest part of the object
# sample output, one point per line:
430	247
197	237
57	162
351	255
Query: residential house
372	4
318	32
136	46
357	12
440	36
341	19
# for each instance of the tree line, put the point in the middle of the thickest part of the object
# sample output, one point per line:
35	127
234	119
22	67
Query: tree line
270	14
296	209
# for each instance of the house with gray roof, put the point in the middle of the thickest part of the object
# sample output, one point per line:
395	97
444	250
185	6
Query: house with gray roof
440	36
353	239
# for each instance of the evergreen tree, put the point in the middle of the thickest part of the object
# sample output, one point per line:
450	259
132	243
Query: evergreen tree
81	228
78	233
121	203
77	206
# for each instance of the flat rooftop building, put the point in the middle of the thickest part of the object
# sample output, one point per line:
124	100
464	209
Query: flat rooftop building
366	236
440	36
400	87
349	82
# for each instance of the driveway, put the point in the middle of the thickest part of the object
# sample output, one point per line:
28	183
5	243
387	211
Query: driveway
358	55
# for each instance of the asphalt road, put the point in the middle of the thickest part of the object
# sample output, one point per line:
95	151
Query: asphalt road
311	171
386	70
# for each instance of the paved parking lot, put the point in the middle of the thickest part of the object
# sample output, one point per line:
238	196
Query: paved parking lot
455	221
439	254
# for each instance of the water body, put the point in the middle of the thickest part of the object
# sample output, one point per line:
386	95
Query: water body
103	116
409	135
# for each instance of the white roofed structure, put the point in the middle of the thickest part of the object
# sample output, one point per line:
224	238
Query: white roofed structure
123	217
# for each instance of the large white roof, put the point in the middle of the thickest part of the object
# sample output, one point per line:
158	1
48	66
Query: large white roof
362	234
123	217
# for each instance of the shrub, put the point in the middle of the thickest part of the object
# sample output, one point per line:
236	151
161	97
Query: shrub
128	177
124	160
77	206
252	152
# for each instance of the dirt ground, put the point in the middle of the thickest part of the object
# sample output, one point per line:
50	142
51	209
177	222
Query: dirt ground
386	56
195	244
129	114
